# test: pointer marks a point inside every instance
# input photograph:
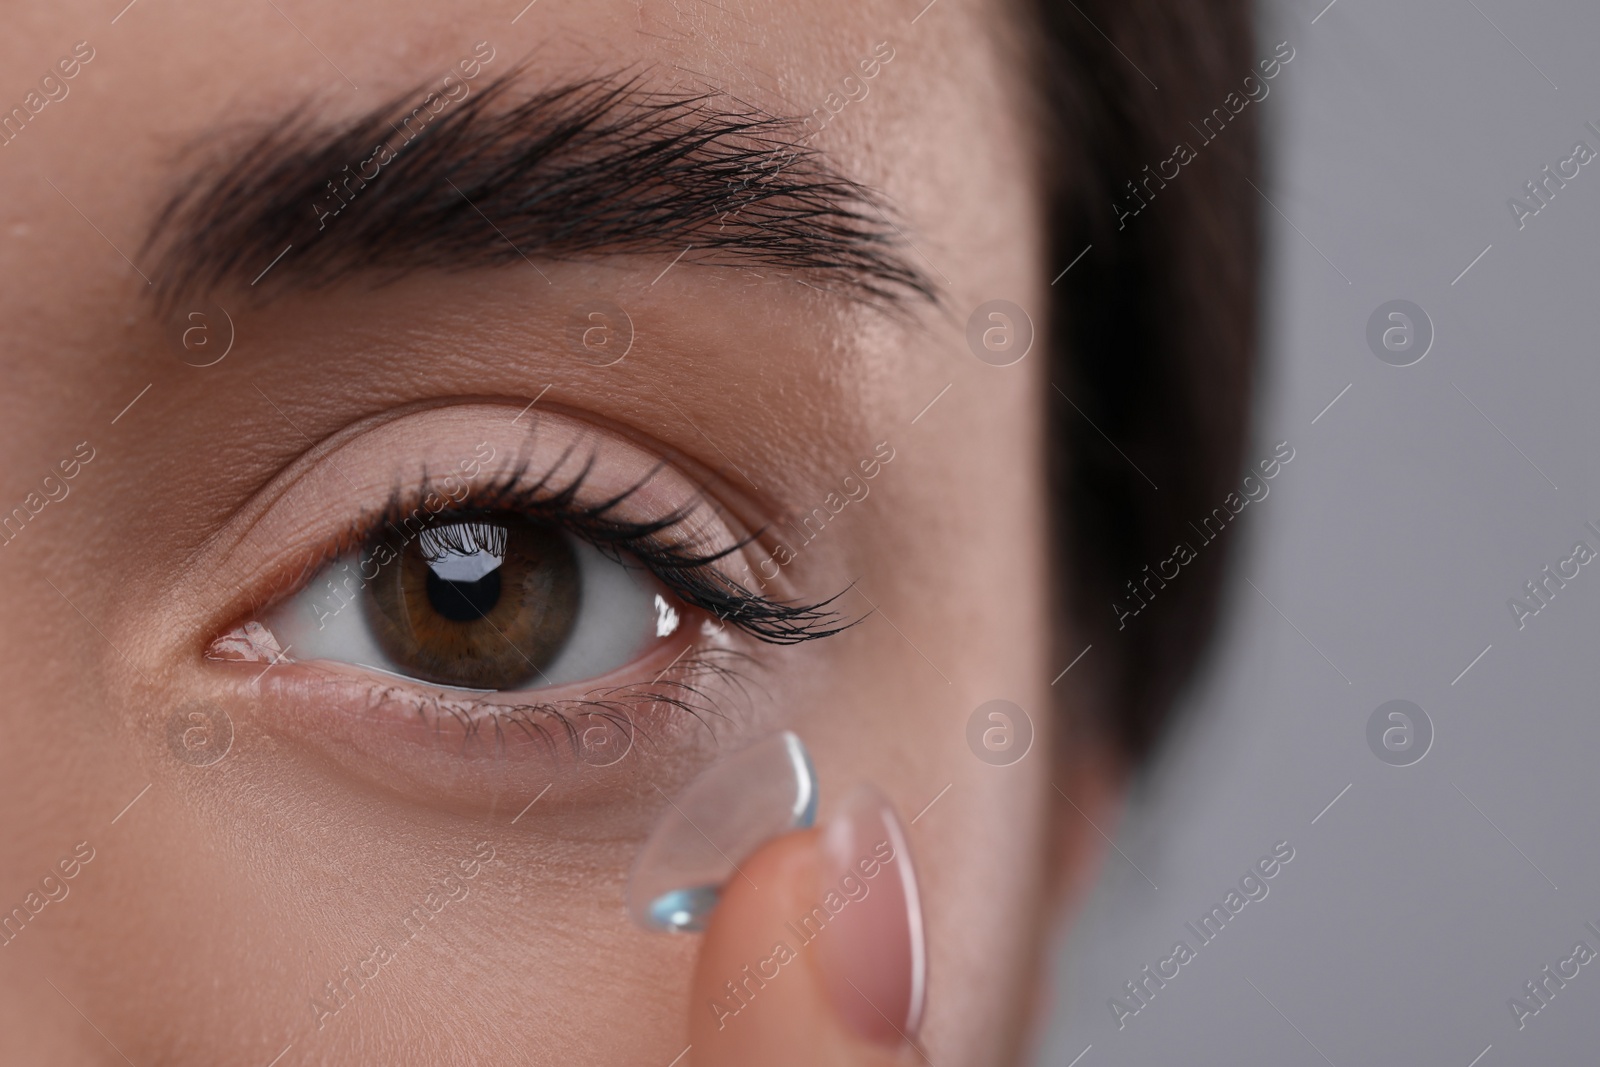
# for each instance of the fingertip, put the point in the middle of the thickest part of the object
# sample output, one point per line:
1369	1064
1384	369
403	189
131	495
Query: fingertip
755	998
814	954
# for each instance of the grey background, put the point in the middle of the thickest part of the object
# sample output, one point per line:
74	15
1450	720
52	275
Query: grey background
1427	895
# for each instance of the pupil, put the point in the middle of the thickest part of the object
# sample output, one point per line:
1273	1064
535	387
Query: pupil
464	601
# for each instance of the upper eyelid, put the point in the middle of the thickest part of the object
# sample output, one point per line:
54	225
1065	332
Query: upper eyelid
353	472
270	550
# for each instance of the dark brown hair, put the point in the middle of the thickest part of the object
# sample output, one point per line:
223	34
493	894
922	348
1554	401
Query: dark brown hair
1153	331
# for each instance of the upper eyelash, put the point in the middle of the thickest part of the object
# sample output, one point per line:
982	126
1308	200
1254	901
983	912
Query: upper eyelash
687	571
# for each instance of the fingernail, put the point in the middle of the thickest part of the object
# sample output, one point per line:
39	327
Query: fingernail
872	953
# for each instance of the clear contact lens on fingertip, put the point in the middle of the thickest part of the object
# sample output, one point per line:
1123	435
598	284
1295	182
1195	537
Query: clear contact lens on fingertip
714	824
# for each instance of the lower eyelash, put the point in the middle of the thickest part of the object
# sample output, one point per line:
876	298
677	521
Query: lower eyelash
687	693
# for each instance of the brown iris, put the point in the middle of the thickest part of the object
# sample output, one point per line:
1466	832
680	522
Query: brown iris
483	602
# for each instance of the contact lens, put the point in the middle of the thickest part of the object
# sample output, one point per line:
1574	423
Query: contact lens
713	825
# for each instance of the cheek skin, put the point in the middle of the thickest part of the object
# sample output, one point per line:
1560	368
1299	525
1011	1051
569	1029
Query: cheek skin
988	644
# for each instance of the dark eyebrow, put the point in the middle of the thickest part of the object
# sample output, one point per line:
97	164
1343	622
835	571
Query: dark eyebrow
595	167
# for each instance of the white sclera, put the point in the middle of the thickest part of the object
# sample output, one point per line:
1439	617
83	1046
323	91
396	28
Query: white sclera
716	823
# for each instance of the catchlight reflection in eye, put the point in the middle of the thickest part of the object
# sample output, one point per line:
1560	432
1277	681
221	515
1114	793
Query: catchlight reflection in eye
491	601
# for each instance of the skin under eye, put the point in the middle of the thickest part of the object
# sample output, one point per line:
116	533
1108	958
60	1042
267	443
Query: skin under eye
486	600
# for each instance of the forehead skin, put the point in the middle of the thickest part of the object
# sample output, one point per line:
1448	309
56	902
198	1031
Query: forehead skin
224	899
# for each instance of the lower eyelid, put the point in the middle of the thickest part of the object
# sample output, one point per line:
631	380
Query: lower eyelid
463	752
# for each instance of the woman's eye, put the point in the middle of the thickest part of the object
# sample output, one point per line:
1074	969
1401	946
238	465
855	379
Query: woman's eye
486	601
